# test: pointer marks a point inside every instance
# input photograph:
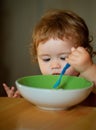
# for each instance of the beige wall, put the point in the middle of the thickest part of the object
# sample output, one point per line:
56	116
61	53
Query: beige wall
18	19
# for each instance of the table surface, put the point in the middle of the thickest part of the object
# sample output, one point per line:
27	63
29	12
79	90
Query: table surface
19	114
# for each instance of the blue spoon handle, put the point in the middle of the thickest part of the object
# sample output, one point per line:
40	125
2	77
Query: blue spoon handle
61	74
65	67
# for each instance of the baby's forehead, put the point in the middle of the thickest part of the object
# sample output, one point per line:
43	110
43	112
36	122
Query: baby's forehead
71	37
57	45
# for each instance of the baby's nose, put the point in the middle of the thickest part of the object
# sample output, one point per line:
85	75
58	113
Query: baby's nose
55	65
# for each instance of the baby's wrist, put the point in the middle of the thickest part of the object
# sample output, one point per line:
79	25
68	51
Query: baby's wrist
89	72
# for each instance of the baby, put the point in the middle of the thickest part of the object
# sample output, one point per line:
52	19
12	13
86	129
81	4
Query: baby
61	36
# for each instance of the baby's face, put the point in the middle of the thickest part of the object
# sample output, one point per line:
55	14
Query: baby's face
51	56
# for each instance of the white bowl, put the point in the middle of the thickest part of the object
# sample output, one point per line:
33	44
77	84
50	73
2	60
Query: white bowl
39	91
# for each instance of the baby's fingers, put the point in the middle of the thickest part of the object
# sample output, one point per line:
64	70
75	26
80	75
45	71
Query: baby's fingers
17	94
9	91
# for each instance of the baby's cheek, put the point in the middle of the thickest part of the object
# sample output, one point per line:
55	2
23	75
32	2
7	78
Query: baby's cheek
72	72
44	71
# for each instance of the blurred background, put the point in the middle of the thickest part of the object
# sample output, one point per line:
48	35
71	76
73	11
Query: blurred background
17	19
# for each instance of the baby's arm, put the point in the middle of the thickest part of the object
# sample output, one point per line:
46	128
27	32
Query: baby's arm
11	91
82	62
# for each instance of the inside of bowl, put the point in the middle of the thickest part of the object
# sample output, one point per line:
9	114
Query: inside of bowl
47	82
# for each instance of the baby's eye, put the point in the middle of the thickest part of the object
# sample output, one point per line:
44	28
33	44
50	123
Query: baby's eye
46	59
62	58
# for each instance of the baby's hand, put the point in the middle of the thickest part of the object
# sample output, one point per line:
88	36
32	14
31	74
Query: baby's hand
11	91
80	59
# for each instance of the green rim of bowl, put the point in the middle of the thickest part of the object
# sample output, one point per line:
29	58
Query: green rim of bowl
47	82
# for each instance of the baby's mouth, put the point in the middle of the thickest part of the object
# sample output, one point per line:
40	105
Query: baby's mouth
56	74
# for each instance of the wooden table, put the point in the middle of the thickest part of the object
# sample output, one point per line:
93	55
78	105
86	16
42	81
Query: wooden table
19	114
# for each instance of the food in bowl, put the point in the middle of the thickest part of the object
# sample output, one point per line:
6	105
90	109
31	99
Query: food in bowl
39	91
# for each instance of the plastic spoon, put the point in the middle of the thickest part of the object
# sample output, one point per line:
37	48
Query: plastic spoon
61	74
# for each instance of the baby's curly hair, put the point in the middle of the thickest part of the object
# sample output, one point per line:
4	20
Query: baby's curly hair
61	24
